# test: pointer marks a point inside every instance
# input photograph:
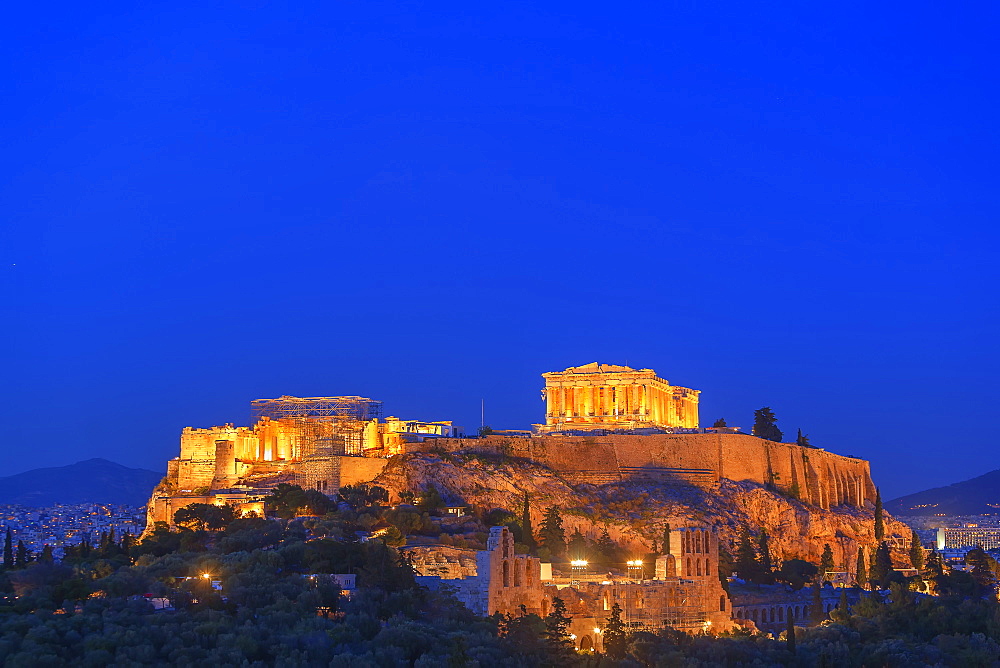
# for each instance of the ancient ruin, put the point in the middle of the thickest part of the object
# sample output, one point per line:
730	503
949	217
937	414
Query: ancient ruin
682	590
605	424
605	396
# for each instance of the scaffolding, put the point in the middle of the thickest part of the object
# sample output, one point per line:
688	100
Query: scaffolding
323	427
325	409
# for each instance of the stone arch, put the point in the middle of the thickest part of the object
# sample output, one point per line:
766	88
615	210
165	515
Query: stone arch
586	644
722	603
753	614
781	614
688	571
697	566
506	573
518	572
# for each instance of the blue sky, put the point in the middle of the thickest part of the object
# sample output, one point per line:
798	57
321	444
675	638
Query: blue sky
432	204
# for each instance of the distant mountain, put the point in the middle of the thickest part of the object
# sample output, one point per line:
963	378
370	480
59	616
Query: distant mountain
90	481
978	496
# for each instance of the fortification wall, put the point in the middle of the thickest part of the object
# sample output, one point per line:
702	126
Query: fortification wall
810	474
360	469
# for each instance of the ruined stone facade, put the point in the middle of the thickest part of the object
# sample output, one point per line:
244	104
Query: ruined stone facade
605	396
685	593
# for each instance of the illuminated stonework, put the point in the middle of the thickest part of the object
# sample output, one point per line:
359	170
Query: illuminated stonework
605	396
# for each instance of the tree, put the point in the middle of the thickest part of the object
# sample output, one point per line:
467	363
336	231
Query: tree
614	633
606	550
765	425
485	430
796	572
8	550
826	560
916	551
790	634
556	633
747	566
21	556
576	548
527	534
362	496
881	564
860	572
803	440
879	519
666	540
720	423
816	614
46	556
764	557
430	500
202	516
551	535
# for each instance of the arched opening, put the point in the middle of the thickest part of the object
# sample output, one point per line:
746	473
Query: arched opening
586	645
506	573
697	565
518	567
753	615
781	614
545	607
722	603
688	571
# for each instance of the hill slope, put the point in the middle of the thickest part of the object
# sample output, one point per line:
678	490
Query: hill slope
90	481
635	512
969	497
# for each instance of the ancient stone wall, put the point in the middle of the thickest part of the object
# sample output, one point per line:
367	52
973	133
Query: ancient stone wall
812	475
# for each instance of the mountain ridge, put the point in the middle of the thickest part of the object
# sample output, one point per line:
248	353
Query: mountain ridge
94	480
968	497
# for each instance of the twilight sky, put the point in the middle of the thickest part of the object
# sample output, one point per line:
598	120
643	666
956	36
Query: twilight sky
431	204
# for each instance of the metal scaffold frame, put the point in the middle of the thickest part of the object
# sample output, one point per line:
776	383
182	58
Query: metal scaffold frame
319	408
324	426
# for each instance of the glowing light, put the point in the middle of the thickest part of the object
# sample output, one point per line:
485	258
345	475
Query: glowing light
578	563
572	636
635	562
597	629
207	576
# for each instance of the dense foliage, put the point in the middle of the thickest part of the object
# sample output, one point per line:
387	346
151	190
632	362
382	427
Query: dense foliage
260	592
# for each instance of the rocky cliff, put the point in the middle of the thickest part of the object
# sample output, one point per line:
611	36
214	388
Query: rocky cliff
635	511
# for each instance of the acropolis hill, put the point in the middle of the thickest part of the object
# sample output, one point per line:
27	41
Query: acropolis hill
608	430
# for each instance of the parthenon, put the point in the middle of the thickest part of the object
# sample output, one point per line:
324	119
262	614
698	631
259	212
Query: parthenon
605	396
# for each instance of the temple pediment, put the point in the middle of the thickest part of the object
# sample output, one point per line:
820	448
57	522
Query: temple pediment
594	367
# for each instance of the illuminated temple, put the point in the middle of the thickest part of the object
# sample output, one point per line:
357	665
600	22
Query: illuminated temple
605	396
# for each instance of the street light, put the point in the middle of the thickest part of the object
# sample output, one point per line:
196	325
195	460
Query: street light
635	568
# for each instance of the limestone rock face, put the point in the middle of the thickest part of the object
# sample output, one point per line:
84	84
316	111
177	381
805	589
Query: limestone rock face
635	512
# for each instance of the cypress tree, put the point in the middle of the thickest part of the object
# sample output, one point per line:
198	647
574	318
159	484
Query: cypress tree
861	573
527	535
666	539
747	566
556	633
764	554
879	519
916	551
614	633
551	535
881	564
816	614
803	440
46	555
21	556
8	550
826	561
790	634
